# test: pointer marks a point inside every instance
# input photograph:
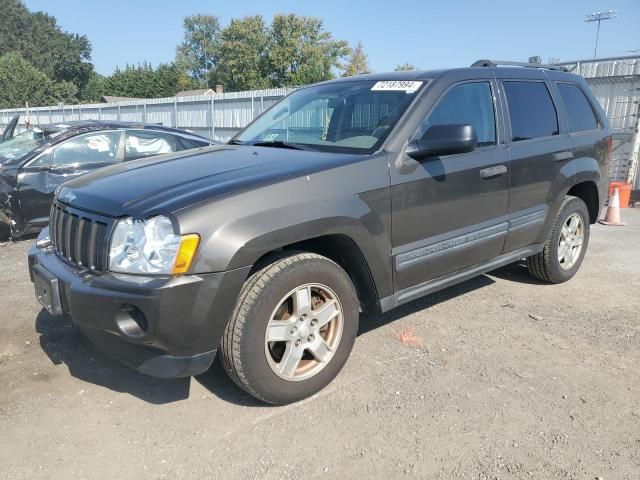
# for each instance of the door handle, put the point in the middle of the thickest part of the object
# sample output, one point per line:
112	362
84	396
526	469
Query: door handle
562	156
493	171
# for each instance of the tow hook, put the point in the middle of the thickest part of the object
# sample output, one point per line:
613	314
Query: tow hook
44	244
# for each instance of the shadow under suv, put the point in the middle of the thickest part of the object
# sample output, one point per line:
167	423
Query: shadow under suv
352	195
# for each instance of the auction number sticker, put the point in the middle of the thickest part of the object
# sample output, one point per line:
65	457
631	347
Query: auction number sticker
397	86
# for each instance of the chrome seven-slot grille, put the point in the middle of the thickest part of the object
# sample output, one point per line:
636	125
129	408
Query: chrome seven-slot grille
78	238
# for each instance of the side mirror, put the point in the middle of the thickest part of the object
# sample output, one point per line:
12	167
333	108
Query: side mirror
441	140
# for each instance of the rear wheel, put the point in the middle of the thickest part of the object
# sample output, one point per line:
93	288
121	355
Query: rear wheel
292	329
566	245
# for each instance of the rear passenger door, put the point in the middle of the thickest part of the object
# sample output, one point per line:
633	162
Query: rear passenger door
588	136
147	143
540	151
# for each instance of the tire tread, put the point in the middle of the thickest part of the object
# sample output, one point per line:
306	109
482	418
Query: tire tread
252	289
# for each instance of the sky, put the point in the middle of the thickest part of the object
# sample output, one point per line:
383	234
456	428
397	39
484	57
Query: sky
424	33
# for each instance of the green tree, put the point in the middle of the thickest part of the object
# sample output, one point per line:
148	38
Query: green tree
241	57
23	83
141	81
37	37
302	52
196	53
358	62
95	88
406	66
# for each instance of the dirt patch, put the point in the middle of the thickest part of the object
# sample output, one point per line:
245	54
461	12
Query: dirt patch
512	379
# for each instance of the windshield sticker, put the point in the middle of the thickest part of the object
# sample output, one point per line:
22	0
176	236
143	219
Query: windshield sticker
397	86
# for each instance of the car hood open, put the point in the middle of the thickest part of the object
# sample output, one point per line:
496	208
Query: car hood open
167	183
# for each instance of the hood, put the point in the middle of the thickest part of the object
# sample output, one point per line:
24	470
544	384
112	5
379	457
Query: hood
167	183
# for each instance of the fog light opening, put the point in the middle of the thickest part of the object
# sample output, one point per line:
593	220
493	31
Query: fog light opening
131	321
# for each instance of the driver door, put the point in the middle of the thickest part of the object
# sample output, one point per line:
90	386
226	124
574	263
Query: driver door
449	212
39	179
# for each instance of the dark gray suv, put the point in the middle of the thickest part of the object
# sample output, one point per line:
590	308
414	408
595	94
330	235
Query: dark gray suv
353	195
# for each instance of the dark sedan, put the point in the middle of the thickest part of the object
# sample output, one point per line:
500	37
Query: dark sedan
35	162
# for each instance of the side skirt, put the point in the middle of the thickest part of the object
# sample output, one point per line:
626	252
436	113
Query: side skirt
416	291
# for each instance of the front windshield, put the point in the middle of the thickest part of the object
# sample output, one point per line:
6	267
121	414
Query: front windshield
352	116
14	149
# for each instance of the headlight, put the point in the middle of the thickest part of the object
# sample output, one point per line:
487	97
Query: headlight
150	247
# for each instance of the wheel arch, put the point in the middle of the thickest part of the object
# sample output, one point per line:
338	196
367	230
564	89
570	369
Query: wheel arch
587	191
344	251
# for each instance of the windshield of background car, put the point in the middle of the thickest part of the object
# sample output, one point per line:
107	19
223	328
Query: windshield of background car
350	116
14	149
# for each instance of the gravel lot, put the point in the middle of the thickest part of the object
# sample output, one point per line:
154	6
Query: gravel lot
516	379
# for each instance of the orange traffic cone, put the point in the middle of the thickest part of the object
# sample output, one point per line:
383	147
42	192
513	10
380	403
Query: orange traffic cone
612	217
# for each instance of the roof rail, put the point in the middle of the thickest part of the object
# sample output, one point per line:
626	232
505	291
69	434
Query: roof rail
496	63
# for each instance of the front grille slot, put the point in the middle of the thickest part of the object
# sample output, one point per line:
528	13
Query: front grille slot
79	238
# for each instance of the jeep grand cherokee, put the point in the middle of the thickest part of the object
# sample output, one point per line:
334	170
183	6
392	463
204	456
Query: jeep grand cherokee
352	195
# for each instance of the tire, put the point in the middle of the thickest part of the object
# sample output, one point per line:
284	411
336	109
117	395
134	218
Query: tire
547	266
271	304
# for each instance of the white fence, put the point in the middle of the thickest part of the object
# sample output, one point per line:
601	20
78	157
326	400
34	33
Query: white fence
217	116
615	82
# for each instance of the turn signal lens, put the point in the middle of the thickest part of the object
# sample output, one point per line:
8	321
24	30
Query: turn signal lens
186	253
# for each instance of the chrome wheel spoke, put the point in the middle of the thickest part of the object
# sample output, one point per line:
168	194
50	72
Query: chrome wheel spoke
328	312
562	252
280	330
577	240
290	360
319	349
302	301
574	223
564	232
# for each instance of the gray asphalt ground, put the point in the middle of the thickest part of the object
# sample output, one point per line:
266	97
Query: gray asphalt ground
515	380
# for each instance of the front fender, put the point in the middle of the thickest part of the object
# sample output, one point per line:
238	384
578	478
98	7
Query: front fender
351	200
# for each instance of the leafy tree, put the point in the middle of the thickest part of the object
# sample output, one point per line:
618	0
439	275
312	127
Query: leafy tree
358	62
406	66
196	53
95	88
37	37
301	52
23	83
141	81
242	55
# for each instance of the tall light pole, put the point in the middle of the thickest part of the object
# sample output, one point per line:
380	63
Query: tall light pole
598	17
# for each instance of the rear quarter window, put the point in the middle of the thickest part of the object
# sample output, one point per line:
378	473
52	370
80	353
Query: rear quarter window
531	110
579	110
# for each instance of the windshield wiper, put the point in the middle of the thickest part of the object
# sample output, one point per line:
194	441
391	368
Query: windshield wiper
281	144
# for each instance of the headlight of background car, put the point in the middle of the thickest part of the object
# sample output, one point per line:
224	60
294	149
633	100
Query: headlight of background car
150	247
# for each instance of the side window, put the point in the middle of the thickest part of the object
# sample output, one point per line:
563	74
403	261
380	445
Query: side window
531	110
141	143
99	147
42	160
579	109
467	103
188	143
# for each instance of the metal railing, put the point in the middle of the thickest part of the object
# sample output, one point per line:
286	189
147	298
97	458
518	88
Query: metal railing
614	80
216	116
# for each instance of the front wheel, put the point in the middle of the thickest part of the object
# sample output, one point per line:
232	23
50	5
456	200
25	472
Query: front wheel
292	329
566	245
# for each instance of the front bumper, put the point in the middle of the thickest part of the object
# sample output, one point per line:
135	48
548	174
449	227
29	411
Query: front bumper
183	317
